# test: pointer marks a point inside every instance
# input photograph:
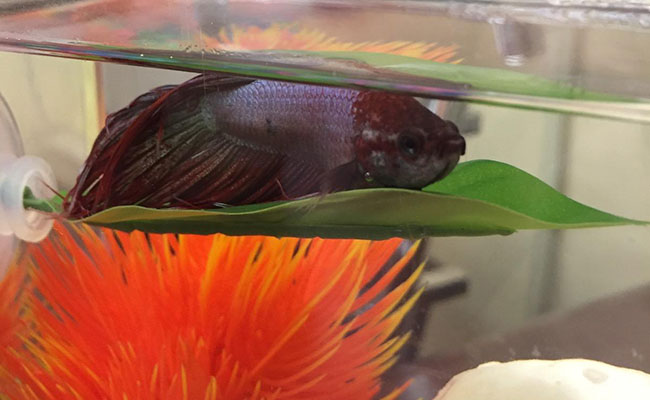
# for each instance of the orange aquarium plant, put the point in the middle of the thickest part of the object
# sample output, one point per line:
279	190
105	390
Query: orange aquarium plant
11	298
110	315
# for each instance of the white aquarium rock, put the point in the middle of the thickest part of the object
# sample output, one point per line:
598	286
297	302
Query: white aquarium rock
573	379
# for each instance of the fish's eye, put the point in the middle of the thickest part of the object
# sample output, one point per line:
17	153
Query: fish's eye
410	144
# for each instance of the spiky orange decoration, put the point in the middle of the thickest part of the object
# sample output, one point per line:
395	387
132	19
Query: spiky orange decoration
10	300
135	316
282	36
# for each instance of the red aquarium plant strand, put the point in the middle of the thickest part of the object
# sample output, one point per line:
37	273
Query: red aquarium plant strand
228	140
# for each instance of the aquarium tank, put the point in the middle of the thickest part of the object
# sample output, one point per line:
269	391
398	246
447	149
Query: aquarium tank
324	199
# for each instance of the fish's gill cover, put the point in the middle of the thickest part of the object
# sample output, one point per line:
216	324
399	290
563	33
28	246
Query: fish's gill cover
112	315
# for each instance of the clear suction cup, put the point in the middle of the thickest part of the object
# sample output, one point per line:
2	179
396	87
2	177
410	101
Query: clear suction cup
11	147
10	142
18	172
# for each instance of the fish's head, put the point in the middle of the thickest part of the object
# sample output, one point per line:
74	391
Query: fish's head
400	143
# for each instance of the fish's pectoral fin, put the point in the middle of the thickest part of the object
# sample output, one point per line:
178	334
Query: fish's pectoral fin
344	177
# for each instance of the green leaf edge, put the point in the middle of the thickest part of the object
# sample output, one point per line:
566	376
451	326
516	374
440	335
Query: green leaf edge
294	218
300	210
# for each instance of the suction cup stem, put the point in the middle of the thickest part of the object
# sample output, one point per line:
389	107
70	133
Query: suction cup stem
18	172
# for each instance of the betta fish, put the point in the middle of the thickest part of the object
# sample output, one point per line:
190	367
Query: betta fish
219	139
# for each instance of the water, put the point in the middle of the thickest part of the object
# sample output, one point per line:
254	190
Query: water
577	57
544	294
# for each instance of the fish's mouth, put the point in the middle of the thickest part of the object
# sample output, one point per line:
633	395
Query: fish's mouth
451	164
454	145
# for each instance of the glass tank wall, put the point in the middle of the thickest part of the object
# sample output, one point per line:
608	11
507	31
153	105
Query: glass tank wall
558	89
589	50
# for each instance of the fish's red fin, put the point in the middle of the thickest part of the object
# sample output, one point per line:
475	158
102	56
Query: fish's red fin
133	125
116	124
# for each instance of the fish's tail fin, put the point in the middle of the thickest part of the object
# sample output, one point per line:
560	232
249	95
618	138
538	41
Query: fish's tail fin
142	118
117	124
